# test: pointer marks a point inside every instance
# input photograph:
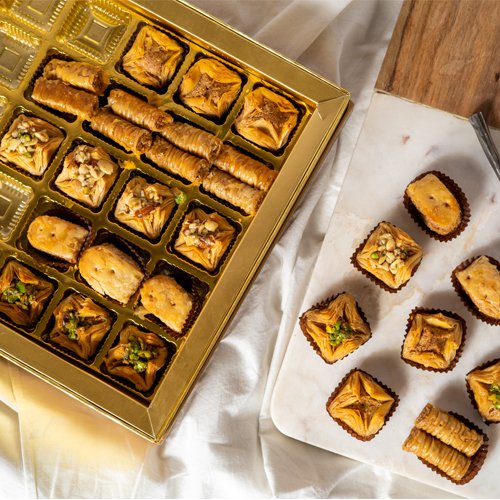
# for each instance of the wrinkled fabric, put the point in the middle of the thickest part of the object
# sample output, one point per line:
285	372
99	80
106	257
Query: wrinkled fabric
224	443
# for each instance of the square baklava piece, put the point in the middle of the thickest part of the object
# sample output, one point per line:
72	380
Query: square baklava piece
335	327
267	119
153	58
433	339
483	384
137	357
209	87
30	144
23	294
204	238
361	405
79	325
389	256
87	175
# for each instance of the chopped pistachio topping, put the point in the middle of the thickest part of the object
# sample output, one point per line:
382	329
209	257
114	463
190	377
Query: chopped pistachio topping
494	396
19	293
180	197
338	332
375	255
71	324
138	353
390	254
24	139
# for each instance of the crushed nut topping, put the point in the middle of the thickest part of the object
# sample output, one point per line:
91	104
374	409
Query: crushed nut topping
201	234
25	138
390	254
90	166
138	353
142	201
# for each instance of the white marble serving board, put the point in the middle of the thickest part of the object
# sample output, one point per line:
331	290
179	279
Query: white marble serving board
399	140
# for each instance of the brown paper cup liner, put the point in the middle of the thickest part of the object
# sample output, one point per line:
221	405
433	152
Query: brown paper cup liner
369	275
471	393
477	459
465	298
344	425
450	314
454	188
321	305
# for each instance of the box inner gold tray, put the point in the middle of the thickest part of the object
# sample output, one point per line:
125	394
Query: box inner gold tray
101	32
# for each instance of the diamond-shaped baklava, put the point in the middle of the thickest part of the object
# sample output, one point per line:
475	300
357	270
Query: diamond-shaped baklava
335	327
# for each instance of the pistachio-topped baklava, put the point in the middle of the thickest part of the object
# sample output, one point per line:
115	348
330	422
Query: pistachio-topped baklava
87	175
209	87
335	327
146	207
484	384
23	294
80	325
204	238
137	357
389	255
30	144
267	119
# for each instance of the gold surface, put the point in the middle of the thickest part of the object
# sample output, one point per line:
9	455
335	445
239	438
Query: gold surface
100	32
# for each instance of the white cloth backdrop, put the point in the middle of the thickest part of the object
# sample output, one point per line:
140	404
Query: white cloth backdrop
224	443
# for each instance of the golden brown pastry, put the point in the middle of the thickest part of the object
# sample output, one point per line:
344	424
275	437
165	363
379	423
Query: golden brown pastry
192	139
57	237
485	386
361	404
23	294
57	95
230	189
137	357
267	119
436	204
433	340
390	255
209	87
153	58
204	238
335	327
432	450
178	162
80	325
87	175
131	138
109	271
30	144
449	430
146	207
246	169
481	282
82	75
138	111
163	297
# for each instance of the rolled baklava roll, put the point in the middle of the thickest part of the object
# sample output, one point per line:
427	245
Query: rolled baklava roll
121	131
245	168
57	95
449	429
178	162
82	75
444	457
138	111
192	139
229	189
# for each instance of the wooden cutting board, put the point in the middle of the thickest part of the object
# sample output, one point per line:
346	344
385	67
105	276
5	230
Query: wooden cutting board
446	54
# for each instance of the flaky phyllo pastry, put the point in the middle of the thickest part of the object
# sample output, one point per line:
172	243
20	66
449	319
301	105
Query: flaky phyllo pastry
390	255
361	404
485	386
146	207
137	357
80	325
57	237
481	282
153	57
23	294
433	340
267	119
209	87
163	297
109	271
335	327
204	238
30	144
87	175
